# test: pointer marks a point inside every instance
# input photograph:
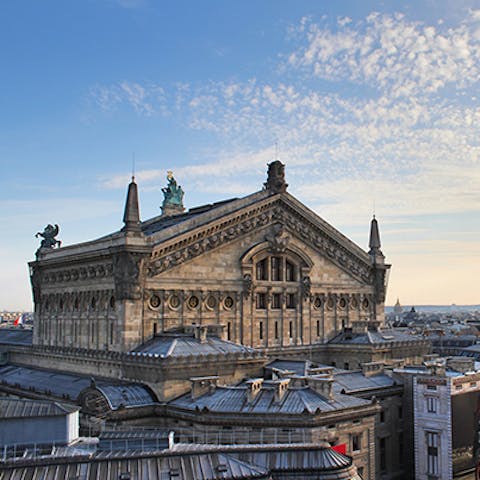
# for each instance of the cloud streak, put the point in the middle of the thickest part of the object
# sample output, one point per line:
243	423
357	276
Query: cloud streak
405	137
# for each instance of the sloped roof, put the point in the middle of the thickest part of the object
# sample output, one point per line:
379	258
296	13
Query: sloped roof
356	381
385	336
20	408
296	400
70	385
299	367
319	459
155	224
182	345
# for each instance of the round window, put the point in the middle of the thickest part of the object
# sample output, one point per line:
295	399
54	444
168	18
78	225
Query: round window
174	301
342	303
317	303
193	302
330	303
365	303
228	303
154	301
211	302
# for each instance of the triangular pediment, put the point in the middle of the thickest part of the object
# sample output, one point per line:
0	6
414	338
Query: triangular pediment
268	210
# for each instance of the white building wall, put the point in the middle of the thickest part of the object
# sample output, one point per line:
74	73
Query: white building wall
427	392
39	430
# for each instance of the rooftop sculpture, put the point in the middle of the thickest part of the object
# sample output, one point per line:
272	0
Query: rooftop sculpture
49	233
172	197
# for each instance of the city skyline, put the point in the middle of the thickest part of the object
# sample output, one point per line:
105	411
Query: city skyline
373	108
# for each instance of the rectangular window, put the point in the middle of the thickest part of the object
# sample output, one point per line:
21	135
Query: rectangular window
261	301
289	271
400	448
276	269
431	387
291	300
261	270
276	329
290	329
356	443
346	366
383	454
318	328
382	416
276	301
432	453
400	412
229	331
432	404
260	330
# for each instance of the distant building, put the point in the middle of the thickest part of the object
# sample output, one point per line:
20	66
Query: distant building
445	396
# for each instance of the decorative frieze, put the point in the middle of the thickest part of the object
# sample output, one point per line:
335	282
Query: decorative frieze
285	217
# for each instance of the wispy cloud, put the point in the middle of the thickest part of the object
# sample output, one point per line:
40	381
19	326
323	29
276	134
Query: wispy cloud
407	138
146	99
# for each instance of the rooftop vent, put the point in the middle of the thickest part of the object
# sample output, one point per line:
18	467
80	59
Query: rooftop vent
203	385
254	386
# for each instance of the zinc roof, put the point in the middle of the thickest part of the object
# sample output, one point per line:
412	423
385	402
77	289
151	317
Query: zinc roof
295	401
208	466
70	385
181	345
356	381
20	408
372	337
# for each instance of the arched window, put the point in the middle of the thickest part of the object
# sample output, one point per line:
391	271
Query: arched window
276	268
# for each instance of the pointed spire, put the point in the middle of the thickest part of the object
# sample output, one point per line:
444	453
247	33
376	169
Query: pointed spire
374	242
131	217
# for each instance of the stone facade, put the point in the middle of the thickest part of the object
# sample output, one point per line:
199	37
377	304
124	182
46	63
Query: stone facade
264	268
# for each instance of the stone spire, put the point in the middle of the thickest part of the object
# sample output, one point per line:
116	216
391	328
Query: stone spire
131	217
374	242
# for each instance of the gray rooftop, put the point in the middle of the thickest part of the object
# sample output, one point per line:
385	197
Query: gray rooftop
296	400
182	345
385	336
299	367
69	386
16	336
356	381
313	458
20	408
128	465
156	224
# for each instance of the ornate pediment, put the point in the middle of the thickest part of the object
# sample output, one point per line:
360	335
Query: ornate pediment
286	221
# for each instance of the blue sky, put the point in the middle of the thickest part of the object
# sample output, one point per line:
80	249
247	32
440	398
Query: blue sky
374	105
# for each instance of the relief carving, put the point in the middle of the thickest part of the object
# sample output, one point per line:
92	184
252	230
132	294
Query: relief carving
126	268
247	284
278	240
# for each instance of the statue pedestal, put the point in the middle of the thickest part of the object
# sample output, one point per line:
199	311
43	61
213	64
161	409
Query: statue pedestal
170	210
